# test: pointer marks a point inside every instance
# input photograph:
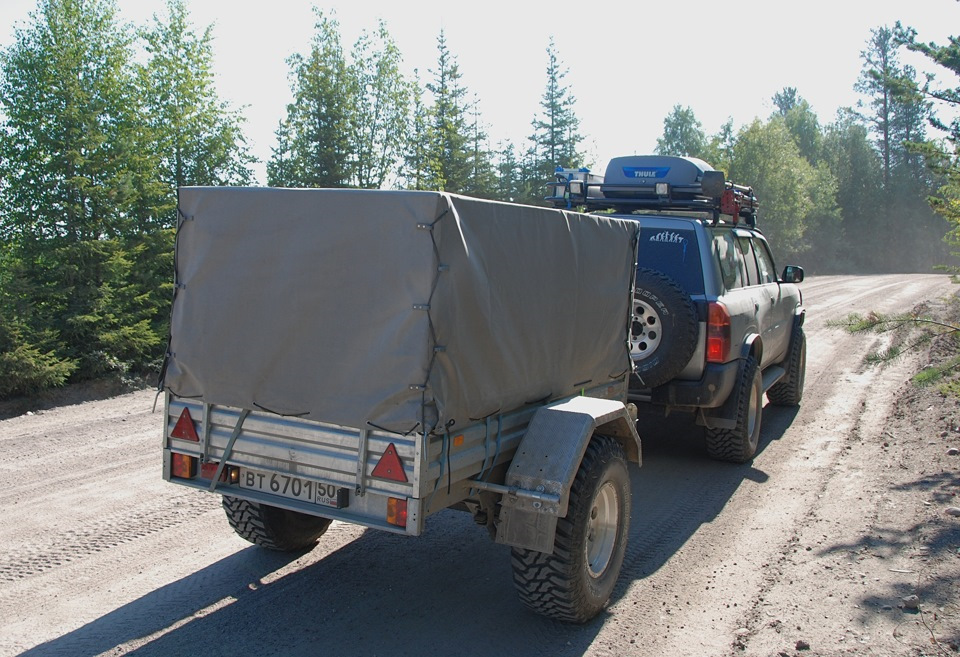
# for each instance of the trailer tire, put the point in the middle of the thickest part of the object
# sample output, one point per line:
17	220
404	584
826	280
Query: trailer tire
664	328
575	582
273	528
788	391
739	444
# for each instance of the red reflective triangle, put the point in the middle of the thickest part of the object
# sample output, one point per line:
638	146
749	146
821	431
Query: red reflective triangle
389	466
185	429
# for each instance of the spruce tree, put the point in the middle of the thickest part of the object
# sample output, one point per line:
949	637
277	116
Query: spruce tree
556	137
320	120
198	137
450	134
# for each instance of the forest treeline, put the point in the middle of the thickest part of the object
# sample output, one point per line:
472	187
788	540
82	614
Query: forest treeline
101	122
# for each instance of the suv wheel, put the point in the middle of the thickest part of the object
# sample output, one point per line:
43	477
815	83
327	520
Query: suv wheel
788	391
739	444
663	333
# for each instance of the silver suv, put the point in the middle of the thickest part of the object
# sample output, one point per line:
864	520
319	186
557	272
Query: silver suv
714	327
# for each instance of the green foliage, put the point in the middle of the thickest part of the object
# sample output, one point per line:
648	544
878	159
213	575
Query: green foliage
315	147
383	102
682	134
449	134
719	149
483	176
420	170
942	374
926	328
92	147
28	366
942	157
68	100
348	124
766	157
912	331
556	134
198	138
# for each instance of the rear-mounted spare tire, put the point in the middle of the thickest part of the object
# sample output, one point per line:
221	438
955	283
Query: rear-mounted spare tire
664	329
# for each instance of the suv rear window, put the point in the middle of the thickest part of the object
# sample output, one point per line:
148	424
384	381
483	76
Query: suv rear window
675	252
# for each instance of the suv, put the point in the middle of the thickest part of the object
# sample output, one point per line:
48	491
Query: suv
713	327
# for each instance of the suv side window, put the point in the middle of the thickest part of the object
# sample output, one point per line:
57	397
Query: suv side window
749	261
729	260
768	272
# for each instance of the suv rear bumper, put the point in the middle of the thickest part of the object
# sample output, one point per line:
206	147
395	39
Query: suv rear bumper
711	391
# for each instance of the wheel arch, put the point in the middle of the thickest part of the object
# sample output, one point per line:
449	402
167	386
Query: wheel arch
546	463
752	346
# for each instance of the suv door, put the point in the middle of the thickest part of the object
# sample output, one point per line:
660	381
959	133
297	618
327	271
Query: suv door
776	337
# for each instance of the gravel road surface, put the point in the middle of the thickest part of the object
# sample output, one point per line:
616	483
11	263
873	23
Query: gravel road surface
808	550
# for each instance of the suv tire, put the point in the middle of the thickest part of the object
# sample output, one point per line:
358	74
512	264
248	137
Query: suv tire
664	330
739	444
788	391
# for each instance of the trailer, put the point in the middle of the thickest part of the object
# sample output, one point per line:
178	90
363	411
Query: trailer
375	357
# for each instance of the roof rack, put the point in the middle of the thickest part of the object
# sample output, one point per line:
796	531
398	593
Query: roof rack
655	182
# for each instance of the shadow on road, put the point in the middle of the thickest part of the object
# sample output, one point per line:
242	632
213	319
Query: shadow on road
448	592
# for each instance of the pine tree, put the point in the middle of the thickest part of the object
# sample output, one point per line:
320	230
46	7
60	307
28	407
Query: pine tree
321	117
556	134
509	174
483	177
70	159
68	111
450	132
897	116
419	170
802	122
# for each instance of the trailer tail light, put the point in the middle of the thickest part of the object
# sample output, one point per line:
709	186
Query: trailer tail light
230	474
397	511
183	466
718	333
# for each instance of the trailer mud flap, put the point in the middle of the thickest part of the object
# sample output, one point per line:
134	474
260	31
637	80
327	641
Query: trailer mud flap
546	464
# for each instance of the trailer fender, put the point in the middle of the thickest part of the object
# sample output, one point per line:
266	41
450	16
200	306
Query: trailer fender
546	463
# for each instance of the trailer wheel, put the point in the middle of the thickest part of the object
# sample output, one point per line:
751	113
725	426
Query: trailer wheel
738	445
575	582
272	527
664	329
788	391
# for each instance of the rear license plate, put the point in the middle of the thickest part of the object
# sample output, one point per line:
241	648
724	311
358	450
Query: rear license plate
294	488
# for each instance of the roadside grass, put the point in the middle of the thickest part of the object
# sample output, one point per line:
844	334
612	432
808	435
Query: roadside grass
935	327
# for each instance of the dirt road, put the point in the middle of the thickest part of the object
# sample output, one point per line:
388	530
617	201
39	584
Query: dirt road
808	550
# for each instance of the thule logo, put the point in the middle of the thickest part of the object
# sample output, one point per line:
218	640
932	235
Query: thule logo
645	173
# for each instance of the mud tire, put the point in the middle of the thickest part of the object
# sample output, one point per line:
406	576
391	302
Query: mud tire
273	528
739	445
575	582
788	391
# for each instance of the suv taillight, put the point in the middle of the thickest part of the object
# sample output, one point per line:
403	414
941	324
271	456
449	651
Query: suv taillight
718	333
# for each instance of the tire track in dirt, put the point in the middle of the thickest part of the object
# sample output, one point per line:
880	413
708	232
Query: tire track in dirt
124	526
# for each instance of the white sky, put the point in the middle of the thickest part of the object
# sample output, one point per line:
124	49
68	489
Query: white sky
629	62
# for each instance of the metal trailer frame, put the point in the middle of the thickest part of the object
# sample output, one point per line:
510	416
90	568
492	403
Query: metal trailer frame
466	469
